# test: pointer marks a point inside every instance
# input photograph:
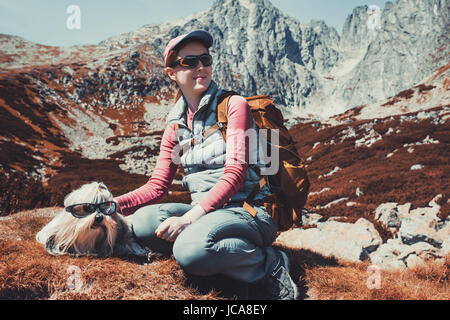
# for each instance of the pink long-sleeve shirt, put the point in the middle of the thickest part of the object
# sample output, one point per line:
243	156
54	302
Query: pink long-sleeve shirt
236	164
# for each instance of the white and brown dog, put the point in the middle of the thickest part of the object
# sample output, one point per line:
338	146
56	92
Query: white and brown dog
91	225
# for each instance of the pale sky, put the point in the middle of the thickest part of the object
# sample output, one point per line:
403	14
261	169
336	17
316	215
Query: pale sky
44	21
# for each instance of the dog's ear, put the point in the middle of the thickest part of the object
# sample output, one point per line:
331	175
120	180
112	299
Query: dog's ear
54	250
50	246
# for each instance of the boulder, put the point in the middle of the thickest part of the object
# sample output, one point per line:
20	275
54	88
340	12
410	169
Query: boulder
415	230
403	210
421	236
394	254
310	218
445	248
414	261
388	215
423	224
418	225
343	241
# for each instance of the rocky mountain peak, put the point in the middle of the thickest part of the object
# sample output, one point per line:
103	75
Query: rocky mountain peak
361	27
259	49
250	5
309	68
392	49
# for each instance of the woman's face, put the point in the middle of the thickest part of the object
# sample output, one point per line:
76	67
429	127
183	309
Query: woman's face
196	80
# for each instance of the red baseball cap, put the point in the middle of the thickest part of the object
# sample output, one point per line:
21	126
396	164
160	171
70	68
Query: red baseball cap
200	35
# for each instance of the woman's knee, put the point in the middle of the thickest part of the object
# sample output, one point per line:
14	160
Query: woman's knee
146	220
192	255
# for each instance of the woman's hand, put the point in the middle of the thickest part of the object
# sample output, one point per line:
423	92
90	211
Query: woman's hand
170	228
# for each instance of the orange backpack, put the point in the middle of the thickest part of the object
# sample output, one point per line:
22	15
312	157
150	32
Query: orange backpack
290	185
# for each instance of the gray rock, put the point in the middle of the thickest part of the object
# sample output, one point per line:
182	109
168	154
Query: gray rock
423	236
389	63
310	218
305	67
394	254
332	203
79	93
343	241
130	65
257	48
387	213
423	224
403	210
416	167
445	248
134	54
358	192
421	249
443	232
434	202
416	229
414	261
386	256
356	32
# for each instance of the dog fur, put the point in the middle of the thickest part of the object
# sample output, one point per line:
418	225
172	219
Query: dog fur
66	234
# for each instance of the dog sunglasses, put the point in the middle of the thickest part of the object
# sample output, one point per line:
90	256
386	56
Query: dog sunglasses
190	62
82	210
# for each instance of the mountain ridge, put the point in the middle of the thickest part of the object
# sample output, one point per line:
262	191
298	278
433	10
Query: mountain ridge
295	61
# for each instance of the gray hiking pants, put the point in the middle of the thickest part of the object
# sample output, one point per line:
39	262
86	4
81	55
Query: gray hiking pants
226	241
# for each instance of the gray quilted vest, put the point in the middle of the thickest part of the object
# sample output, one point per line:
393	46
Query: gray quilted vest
203	159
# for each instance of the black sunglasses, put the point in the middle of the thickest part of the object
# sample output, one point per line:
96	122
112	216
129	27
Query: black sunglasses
82	210
190	62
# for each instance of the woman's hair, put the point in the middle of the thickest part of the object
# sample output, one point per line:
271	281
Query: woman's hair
172	57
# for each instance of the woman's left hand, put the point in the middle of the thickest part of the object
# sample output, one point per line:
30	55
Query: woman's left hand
170	228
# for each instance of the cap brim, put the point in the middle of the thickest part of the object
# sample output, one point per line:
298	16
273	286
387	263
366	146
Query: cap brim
200	35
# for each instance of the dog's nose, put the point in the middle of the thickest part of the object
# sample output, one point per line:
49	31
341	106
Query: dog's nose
98	218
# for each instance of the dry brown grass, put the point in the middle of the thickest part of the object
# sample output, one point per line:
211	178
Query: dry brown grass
349	282
321	278
27	271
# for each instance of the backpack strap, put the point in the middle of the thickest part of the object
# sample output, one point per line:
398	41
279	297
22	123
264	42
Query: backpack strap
183	149
222	109
222	119
246	205
221	124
